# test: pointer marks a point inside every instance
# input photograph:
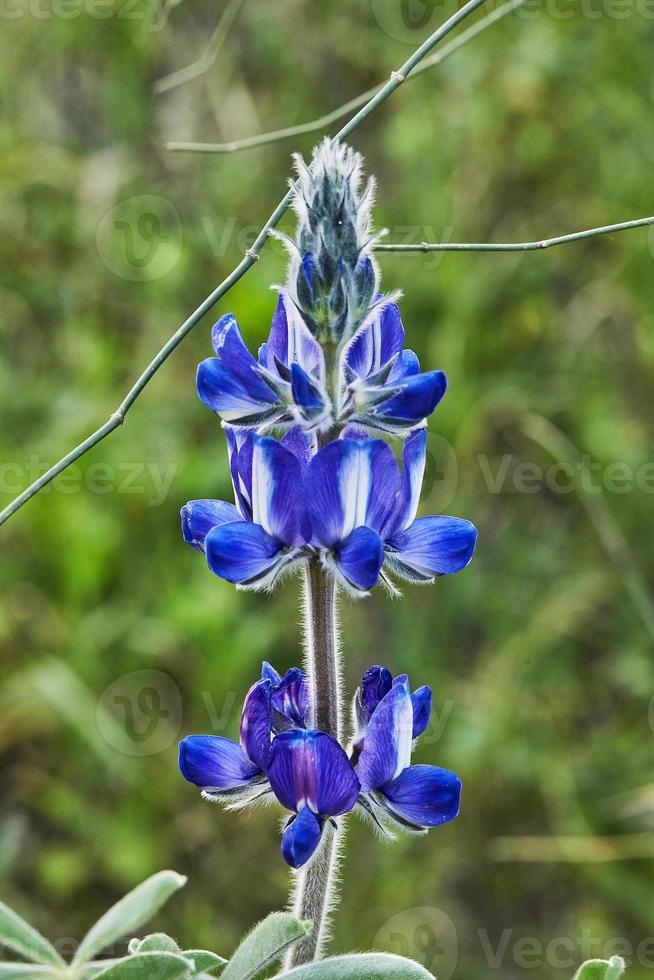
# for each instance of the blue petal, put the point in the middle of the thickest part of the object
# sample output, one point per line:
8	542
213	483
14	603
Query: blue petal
388	741
239	448
268	673
200	516
215	763
242	552
300	838
291	696
290	340
414	455
229	384
406	365
350	483
256	724
375	685
432	546
421	701
425	795
419	397
310	768
305	391
278	499
376	342
302	444
360	558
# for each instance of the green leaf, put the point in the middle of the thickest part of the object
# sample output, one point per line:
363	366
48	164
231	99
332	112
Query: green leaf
158	942
129	913
148	966
601	969
18	935
264	945
203	961
361	966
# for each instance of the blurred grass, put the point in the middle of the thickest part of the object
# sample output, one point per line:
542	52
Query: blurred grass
539	127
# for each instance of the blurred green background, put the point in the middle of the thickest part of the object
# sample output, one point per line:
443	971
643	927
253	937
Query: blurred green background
539	654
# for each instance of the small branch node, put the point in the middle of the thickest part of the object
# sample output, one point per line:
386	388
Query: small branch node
545	243
424	246
398	77
117	417
251	254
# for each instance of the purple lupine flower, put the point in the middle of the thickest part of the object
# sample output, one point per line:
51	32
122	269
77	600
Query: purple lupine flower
307	771
311	775
286	386
267	530
394	793
363	515
382	386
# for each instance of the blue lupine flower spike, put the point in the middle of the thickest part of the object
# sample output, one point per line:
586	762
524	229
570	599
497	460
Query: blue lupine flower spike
394	793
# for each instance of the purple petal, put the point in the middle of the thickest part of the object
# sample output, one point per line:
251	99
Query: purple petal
302	444
277	491
375	685
376	342
310	768
350	483
291	696
388	741
360	558
421	701
406	365
300	838
268	673
215	763
242	552
425	795
306	392
256	724
405	508
432	546
200	516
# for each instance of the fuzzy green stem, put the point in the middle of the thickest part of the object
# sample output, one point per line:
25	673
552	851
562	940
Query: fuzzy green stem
314	886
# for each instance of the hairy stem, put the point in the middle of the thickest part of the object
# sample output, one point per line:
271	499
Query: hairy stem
314	886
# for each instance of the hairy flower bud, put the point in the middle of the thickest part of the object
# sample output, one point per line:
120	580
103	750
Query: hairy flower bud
333	276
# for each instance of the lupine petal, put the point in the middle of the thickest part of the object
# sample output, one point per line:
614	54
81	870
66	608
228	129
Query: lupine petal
376	342
277	491
310	768
414	455
418	398
375	685
200	516
302	444
291	696
305	392
229	384
239	450
216	763
300	838
387	746
290	339
350	483
241	552
432	546
268	673
360	558
256	724
425	795
421	701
